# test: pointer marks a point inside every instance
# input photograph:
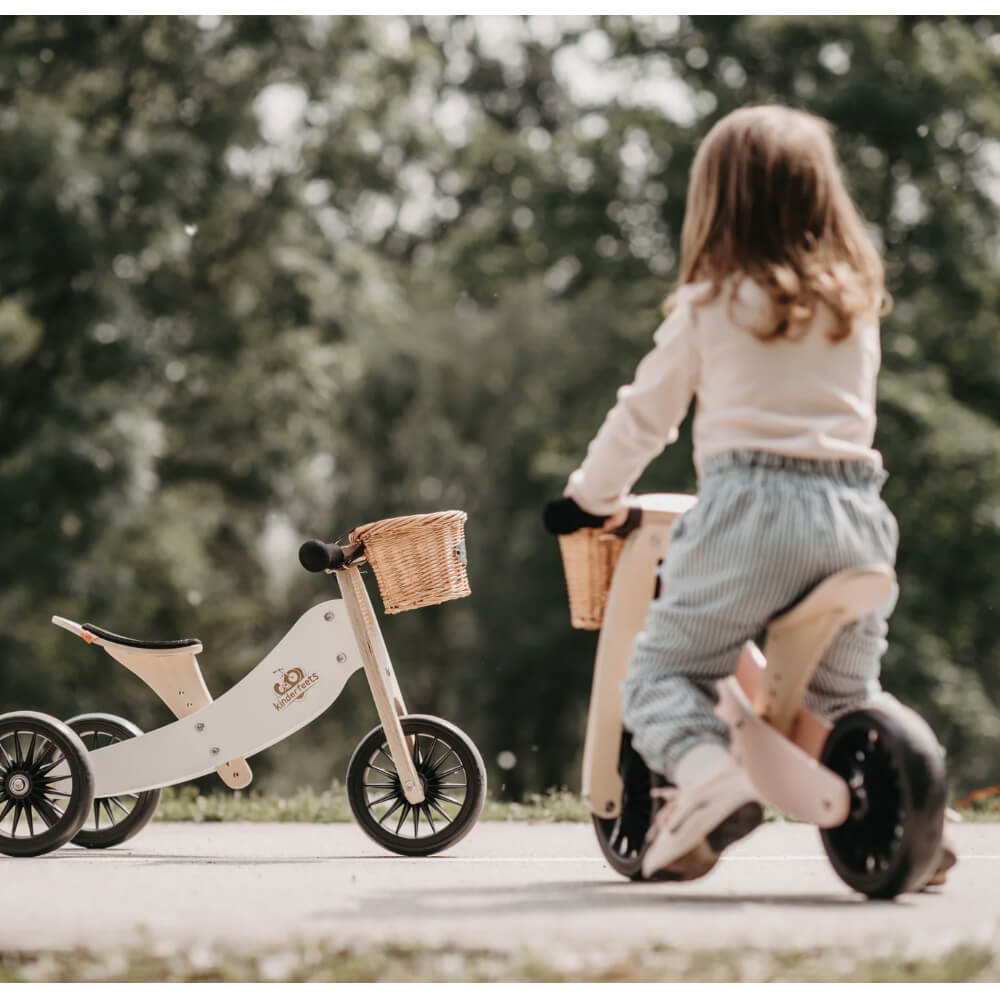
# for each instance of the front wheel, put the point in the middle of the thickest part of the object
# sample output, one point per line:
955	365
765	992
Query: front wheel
46	785
622	838
115	819
894	768
453	777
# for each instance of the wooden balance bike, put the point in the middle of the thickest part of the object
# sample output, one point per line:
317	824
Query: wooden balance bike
415	784
873	781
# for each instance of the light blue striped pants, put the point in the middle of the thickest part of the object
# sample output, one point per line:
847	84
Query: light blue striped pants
765	531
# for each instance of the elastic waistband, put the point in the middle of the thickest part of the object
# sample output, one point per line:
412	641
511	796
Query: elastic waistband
855	472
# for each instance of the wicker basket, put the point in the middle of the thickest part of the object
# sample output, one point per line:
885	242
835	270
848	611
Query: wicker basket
589	559
418	560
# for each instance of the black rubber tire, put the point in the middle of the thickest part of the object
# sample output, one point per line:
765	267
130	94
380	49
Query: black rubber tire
895	769
51	744
428	733
110	729
622	838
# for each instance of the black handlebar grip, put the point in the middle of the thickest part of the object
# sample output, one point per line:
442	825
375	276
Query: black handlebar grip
317	556
563	516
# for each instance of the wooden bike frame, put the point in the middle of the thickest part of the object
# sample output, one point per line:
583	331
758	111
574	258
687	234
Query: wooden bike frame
778	739
312	663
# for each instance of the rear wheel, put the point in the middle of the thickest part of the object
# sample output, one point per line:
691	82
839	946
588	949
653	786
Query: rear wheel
114	819
894	768
46	785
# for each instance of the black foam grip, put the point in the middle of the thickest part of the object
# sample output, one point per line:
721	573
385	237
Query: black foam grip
563	516
317	556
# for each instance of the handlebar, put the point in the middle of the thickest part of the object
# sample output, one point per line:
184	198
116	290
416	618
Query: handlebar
563	516
317	557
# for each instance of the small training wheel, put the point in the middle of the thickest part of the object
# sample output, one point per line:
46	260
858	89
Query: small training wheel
451	771
894	768
46	785
116	818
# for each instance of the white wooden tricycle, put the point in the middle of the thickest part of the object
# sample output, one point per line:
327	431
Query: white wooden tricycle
415	784
873	781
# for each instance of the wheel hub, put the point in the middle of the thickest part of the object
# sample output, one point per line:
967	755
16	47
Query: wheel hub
18	785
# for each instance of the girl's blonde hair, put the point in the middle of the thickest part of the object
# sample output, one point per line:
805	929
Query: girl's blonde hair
766	200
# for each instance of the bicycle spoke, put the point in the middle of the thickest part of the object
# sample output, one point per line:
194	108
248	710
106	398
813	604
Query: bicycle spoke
453	784
388	774
385	798
445	774
17	818
30	756
439	763
49	812
402	818
31	821
42	771
380	784
440	810
389	812
121	805
430	819
10	805
429	758
49	782
97	814
448	798
44	758
385	753
107	810
416	822
417	759
18	761
7	763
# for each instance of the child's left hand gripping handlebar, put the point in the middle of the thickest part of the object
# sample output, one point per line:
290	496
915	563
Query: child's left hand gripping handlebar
563	516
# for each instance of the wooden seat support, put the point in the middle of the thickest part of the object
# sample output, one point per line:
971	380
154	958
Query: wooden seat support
175	677
798	639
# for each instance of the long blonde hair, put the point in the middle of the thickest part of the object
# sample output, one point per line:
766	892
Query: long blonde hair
766	200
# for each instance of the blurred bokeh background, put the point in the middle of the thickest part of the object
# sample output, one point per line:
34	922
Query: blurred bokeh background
263	279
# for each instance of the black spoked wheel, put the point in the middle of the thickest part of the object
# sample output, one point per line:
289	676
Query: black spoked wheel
46	785
114	819
895	769
453	777
622	838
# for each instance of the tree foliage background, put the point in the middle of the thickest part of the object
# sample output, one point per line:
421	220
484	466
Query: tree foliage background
263	279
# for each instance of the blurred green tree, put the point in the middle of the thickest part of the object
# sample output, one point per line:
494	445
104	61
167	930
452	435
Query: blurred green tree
265	278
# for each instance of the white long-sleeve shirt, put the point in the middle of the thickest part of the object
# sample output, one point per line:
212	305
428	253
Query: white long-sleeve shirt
808	398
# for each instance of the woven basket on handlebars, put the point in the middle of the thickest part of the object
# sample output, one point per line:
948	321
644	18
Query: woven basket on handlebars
418	560
589	559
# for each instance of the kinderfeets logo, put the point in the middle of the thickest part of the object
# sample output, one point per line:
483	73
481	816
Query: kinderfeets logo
293	686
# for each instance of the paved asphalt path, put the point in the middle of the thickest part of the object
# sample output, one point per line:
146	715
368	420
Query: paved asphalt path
506	886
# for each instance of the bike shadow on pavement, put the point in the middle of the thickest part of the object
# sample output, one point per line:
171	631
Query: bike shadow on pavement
561	897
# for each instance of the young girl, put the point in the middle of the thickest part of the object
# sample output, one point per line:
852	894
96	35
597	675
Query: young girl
774	328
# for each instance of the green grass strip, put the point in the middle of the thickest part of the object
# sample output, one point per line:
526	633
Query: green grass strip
326	962
186	804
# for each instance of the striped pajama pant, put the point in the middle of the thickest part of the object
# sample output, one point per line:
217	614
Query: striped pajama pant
765	531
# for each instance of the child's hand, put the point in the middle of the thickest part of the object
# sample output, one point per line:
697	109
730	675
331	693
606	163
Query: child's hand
562	516
616	520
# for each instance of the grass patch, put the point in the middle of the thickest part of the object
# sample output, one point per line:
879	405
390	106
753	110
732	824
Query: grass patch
187	804
325	962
